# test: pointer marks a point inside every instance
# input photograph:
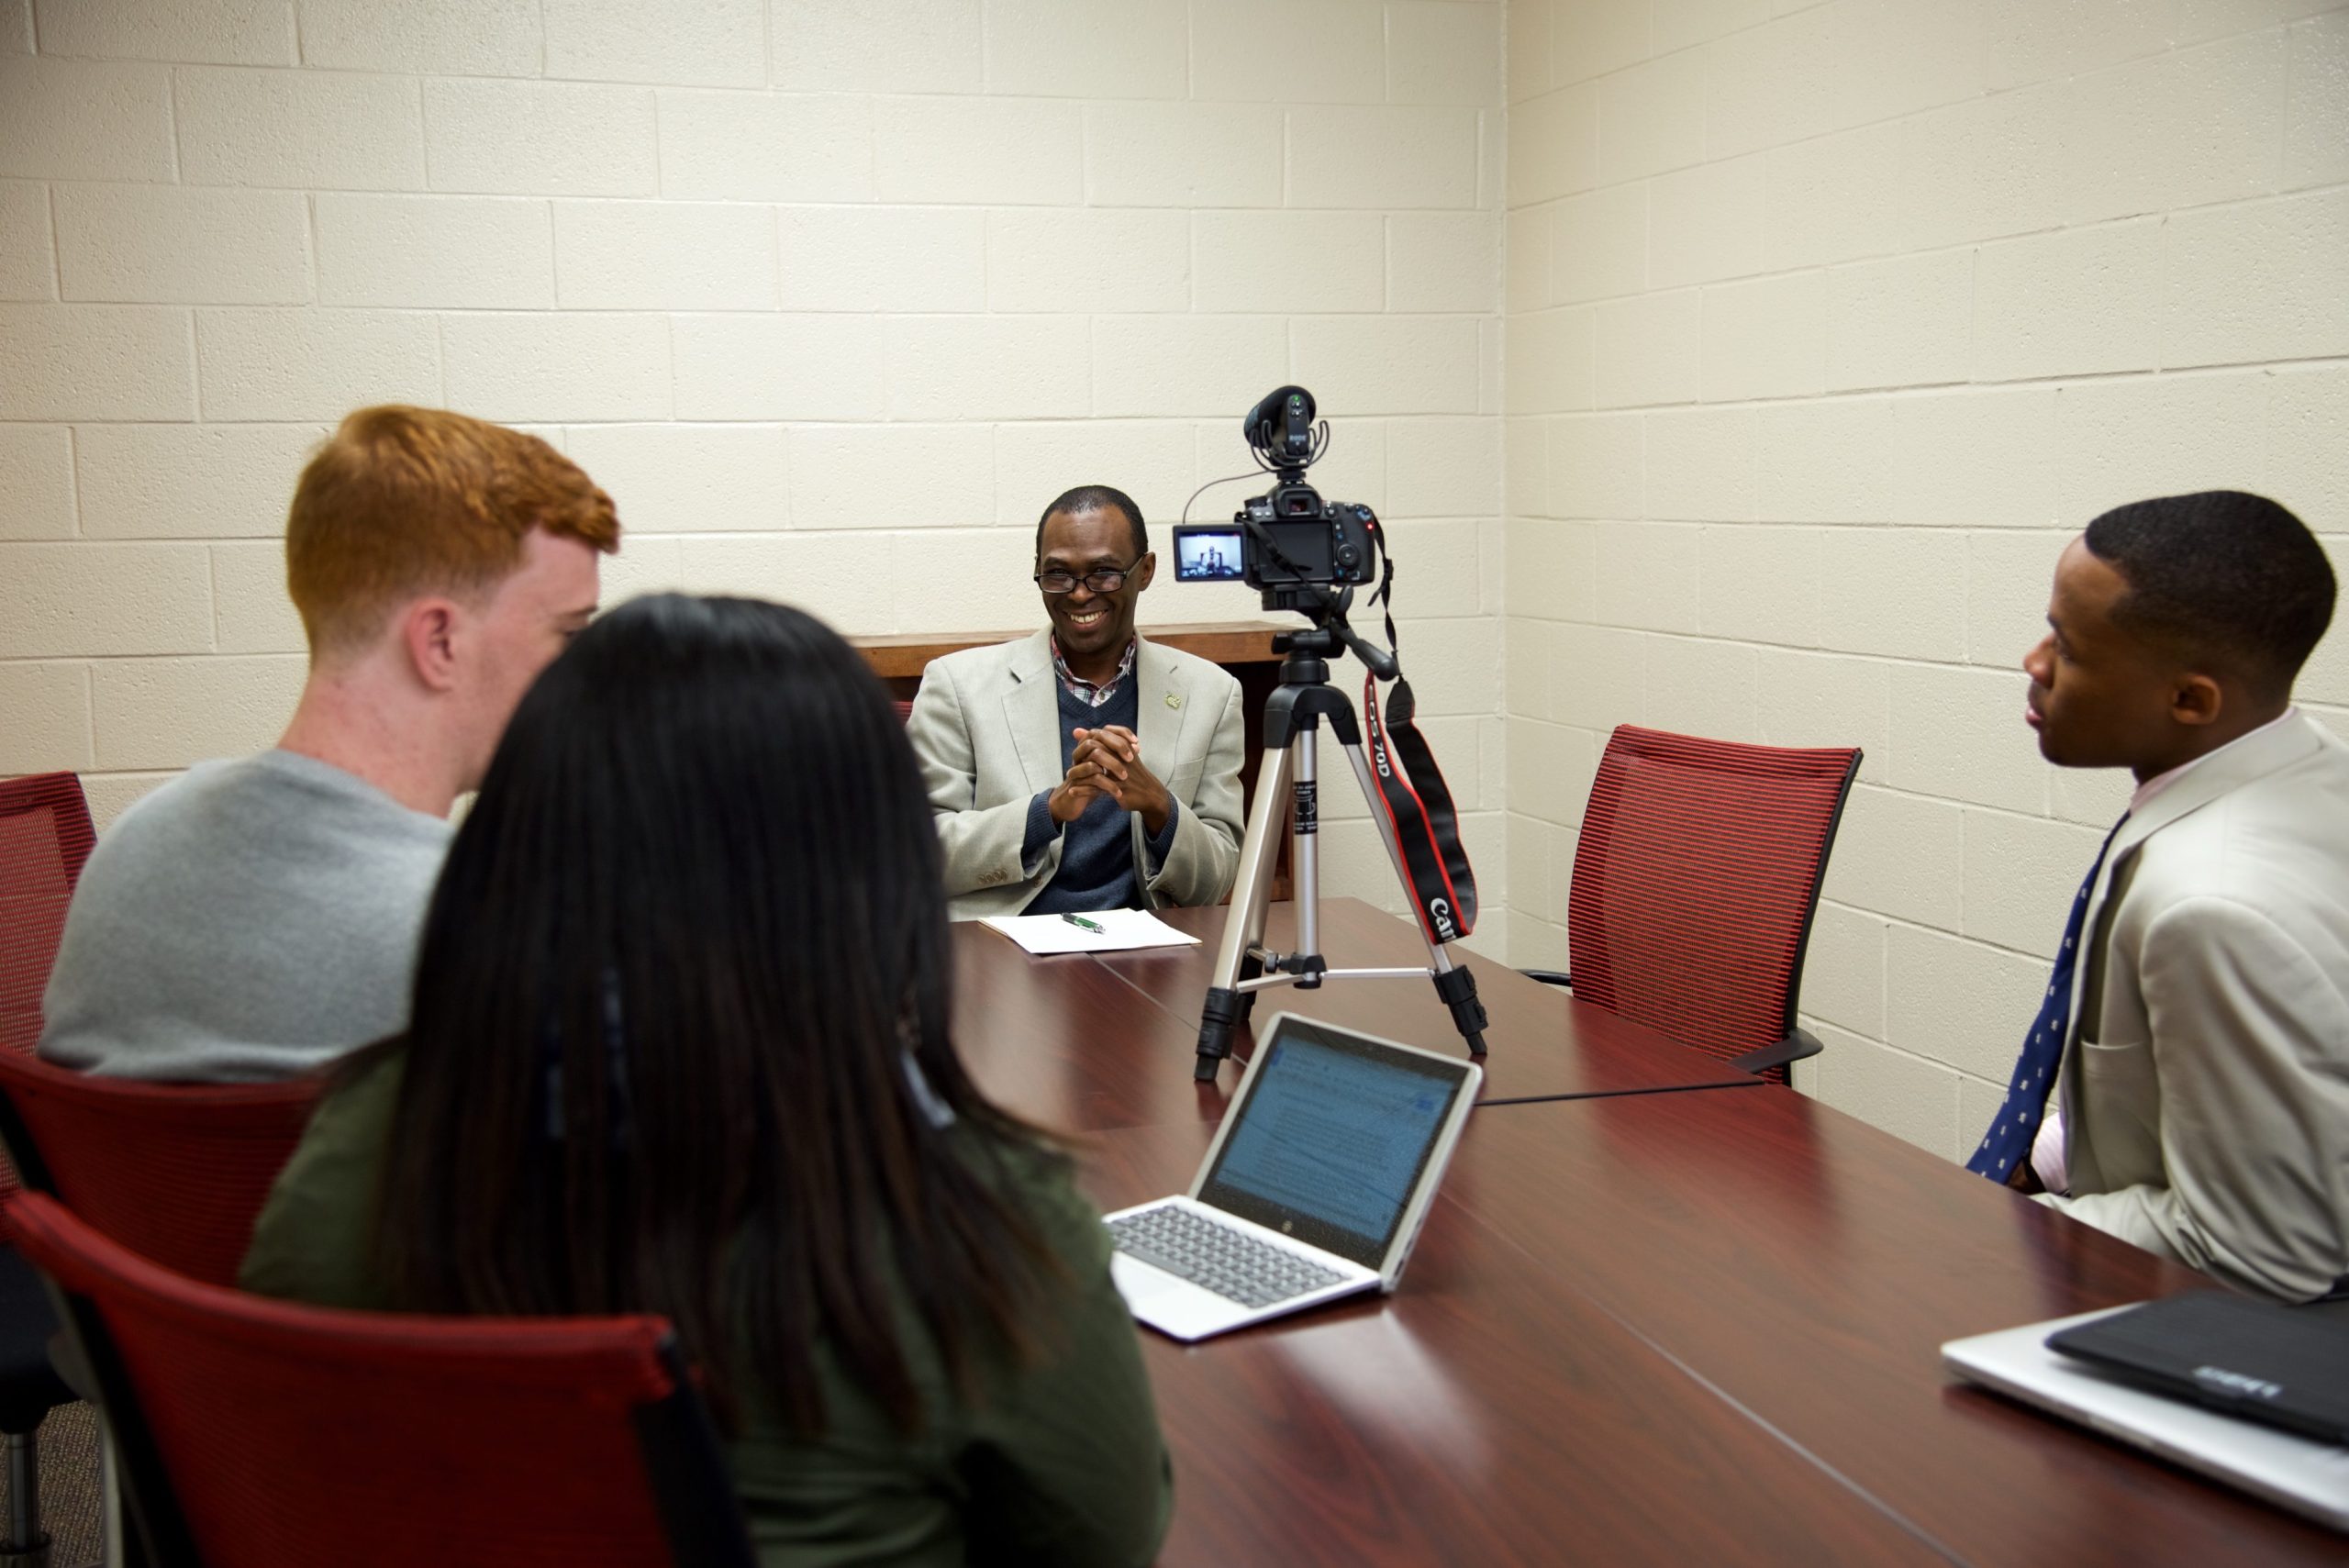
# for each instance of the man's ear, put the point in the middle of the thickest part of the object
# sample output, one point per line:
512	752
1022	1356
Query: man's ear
2197	699
1145	571
429	633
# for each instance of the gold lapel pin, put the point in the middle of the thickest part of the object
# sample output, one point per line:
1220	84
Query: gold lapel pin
1174	699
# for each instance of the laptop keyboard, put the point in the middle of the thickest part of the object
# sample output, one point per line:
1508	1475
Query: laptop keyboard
1230	1263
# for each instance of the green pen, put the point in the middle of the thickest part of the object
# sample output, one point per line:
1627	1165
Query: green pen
1083	924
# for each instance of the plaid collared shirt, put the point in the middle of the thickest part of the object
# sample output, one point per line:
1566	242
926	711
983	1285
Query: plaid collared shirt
1087	692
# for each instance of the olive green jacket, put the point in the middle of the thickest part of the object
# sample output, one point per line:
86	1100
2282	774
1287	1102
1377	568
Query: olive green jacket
1060	1462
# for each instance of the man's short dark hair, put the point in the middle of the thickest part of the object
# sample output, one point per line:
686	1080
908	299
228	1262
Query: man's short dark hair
2222	576
1096	498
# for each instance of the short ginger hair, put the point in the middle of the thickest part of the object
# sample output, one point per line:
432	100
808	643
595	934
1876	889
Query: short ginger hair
403	501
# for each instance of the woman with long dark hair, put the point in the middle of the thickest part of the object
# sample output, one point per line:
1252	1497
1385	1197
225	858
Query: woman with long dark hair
679	1045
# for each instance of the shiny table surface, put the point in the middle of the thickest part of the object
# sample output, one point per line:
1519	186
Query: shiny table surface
1079	1042
1809	1267
1067	1044
1661	1327
1481	1415
1642	1331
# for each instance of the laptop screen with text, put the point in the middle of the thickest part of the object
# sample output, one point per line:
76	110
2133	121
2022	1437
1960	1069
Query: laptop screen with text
1332	1140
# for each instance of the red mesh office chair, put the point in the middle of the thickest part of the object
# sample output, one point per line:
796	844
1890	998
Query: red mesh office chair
261	1434
45	836
904	711
1695	880
177	1172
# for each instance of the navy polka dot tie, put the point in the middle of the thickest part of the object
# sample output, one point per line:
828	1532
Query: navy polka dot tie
2007	1144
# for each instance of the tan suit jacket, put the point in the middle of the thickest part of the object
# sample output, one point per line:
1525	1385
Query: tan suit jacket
986	725
2206	1088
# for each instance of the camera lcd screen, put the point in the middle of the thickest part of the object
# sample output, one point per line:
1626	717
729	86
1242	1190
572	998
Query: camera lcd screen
1207	555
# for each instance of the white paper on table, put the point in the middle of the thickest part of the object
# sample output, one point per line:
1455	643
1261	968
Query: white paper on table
1122	930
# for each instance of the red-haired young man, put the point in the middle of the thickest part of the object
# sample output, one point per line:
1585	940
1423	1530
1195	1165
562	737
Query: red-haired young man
258	917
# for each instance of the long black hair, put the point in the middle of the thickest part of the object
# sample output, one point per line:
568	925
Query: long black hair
680	1034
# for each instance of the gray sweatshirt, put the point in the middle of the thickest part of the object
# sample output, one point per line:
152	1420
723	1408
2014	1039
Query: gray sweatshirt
251	920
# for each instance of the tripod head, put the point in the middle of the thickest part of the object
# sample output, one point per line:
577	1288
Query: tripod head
1326	608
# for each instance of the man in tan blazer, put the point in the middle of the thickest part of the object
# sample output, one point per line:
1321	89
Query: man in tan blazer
2202	1109
1085	767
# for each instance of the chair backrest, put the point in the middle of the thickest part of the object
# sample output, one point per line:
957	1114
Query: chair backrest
262	1434
45	836
904	711
1695	879
177	1172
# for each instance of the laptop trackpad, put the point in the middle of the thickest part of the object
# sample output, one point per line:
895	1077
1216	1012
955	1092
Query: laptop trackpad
1143	1286
1172	1305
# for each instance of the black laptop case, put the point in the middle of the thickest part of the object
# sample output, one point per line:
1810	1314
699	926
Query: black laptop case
2287	1366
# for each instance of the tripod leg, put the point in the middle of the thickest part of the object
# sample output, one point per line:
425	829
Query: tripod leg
1458	989
1307	793
1455	985
1243	927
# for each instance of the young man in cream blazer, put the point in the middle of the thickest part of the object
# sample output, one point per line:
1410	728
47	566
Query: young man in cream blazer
2202	1109
1085	767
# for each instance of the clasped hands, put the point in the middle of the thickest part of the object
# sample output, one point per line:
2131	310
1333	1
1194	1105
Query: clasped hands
1107	762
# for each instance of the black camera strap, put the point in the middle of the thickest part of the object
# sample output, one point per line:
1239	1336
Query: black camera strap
1416	801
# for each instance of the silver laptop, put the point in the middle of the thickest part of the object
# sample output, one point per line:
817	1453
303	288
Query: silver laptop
2293	1472
1314	1187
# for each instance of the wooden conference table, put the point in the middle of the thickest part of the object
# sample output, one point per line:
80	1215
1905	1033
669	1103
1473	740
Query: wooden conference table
1643	1326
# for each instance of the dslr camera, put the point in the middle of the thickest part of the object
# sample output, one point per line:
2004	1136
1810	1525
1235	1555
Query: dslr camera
1288	544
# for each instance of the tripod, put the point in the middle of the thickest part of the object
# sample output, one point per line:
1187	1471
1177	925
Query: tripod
1243	966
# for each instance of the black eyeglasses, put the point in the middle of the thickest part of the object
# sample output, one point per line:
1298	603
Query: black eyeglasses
1106	581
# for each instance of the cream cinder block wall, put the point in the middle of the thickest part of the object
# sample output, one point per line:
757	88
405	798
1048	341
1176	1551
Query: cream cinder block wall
833	297
1827	325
